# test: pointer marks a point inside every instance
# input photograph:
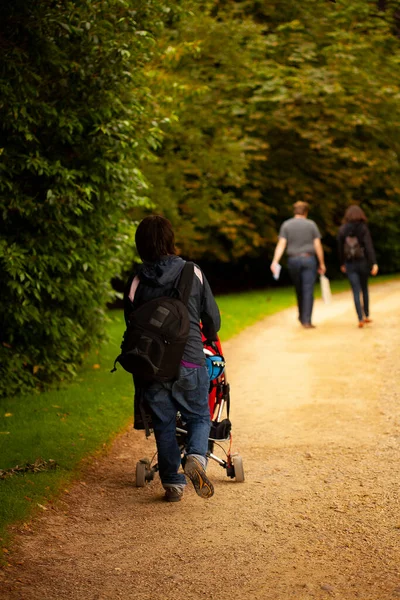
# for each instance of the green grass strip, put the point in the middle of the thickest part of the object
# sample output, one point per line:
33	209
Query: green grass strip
65	425
69	424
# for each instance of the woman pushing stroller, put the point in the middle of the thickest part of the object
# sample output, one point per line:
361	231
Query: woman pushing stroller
159	276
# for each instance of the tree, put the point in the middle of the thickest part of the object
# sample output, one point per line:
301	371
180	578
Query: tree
277	102
204	78
329	112
75	119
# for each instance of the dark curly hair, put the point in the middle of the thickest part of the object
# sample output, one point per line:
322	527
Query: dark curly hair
154	238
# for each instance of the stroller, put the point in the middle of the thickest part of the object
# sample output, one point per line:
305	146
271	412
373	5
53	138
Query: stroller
219	404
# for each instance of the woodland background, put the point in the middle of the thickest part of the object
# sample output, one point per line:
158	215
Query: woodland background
217	114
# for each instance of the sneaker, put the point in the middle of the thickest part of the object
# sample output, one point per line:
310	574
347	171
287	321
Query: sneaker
309	326
173	494
361	324
367	320
197	475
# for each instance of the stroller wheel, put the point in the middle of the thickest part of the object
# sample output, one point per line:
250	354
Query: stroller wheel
238	466
141	474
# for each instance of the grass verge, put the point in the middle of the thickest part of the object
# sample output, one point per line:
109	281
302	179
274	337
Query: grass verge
70	424
65	425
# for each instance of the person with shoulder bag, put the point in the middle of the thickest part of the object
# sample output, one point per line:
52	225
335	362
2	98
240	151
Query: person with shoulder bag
164	304
357	258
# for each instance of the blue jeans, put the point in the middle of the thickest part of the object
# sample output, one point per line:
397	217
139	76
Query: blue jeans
358	272
303	272
189	396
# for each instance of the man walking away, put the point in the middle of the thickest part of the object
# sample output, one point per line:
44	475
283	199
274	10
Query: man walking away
302	240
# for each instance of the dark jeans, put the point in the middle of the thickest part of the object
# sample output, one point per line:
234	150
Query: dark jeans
189	396
358	272
303	272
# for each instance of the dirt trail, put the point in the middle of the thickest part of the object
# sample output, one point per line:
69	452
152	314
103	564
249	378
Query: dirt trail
316	418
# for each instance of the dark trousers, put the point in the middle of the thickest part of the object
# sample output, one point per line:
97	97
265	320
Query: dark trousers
358	272
189	396
303	272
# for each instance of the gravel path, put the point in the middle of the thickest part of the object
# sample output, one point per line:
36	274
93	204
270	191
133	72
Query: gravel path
316	418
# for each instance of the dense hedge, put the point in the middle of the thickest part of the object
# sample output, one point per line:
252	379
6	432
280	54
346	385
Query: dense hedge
71	133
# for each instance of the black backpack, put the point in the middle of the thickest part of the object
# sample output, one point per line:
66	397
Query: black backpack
352	249
156	334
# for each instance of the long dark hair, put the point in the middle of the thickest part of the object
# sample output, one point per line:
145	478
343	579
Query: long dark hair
353	214
154	238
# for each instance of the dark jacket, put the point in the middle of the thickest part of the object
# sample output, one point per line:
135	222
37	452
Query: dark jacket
360	230
159	279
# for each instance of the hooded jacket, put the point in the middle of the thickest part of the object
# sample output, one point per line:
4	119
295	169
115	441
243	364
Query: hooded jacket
360	230
159	279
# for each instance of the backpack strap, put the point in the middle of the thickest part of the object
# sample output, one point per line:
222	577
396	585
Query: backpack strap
133	287
185	283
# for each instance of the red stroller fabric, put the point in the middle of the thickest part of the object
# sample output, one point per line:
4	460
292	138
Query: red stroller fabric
215	384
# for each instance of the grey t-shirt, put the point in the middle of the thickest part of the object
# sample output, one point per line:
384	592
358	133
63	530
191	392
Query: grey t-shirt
300	235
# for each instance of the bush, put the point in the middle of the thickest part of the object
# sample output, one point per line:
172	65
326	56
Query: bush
74	118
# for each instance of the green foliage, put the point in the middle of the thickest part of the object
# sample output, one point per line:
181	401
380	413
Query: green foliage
278	102
205	77
332	105
74	121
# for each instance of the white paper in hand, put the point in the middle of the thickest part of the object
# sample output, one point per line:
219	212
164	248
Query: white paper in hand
277	272
325	289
